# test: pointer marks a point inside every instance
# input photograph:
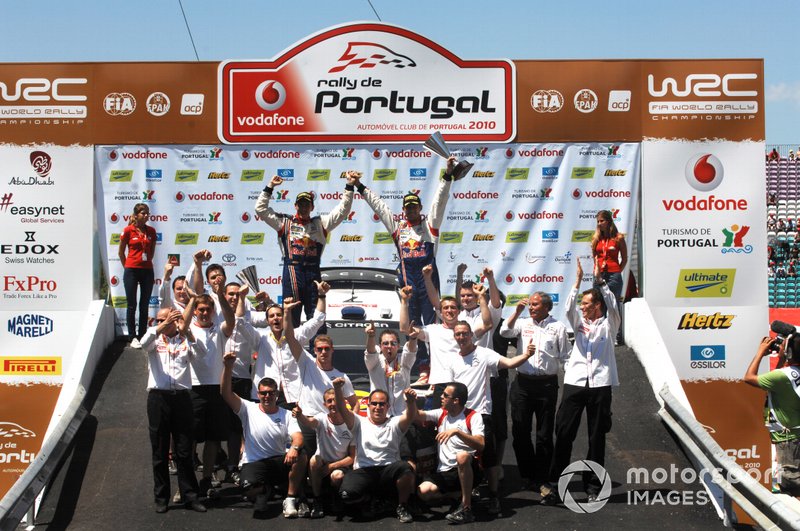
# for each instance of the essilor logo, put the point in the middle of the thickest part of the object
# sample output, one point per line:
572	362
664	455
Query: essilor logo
270	95
704	172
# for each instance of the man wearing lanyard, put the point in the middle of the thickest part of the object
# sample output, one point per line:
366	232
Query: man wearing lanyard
169	347
535	389
589	375
387	370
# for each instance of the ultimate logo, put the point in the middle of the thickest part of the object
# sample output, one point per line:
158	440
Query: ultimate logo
705	283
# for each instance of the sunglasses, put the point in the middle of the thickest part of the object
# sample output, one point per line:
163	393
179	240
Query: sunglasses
389	343
268	393
378	404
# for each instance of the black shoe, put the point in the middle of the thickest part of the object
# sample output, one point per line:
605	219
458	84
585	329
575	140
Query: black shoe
403	515
161	507
550	499
592	497
195	505
461	515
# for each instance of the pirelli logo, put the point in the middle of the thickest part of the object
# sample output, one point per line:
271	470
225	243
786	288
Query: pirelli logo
30	366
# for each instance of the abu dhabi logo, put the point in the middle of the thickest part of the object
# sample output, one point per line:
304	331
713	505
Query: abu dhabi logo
370	55
593	506
270	95
704	172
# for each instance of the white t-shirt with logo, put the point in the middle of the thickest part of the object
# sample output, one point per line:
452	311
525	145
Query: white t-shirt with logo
315	382
265	434
333	440
449	450
443	350
474	370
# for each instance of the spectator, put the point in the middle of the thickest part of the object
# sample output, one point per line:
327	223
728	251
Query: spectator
774	155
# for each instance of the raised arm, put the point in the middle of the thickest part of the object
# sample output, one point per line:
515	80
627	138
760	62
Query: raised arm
494	292
369	331
188	313
339	214
263	209
459	282
288	328
227	311
516	361
410	413
405	294
507	329
486	315
165	290
439	203
430	288
197	273
303	420
379	207
341	404
322	292
225	385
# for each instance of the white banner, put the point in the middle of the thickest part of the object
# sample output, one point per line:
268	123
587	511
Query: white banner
526	211
704	240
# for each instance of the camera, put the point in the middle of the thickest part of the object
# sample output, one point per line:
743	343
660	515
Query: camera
784	330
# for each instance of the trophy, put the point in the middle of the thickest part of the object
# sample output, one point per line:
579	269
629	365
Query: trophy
249	277
435	143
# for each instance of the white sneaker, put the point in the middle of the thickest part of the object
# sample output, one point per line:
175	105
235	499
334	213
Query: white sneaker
290	508
135	343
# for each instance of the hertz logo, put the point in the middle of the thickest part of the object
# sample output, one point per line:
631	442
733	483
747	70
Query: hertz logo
219	239
697	321
351	238
483	238
616	173
219	175
30	366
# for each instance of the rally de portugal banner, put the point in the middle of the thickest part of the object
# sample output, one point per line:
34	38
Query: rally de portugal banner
526	211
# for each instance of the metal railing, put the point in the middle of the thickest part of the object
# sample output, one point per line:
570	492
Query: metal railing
764	507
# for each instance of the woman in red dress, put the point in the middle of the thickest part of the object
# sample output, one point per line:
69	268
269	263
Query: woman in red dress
609	251
136	247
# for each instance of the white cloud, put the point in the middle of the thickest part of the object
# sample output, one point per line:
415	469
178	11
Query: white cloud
784	92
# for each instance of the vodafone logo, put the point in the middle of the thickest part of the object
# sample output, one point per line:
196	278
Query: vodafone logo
270	95
704	172
376	154
114	280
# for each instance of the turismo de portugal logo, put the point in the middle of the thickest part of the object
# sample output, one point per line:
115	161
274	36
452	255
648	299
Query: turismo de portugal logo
584	465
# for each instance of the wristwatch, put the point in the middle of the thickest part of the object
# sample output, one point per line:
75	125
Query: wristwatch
297	448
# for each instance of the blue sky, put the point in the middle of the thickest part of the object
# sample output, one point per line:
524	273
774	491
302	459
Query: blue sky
154	30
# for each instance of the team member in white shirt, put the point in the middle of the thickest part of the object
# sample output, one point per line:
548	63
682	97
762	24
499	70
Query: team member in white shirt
534	391
268	430
589	375
474	367
459	437
316	375
335	451
211	421
377	440
388	370
169	407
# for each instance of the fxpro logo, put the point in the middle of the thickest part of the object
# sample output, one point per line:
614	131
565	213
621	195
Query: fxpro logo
30	325
705	283
707	356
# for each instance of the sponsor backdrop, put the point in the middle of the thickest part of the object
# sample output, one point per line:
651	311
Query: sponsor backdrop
46	285
525	210
704	241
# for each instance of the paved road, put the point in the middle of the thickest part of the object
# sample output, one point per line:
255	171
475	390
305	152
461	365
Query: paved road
106	482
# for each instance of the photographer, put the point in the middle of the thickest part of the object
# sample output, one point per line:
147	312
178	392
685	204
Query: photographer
782	410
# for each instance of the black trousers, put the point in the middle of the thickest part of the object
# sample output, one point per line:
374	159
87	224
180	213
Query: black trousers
170	414
597	403
533	396
137	279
